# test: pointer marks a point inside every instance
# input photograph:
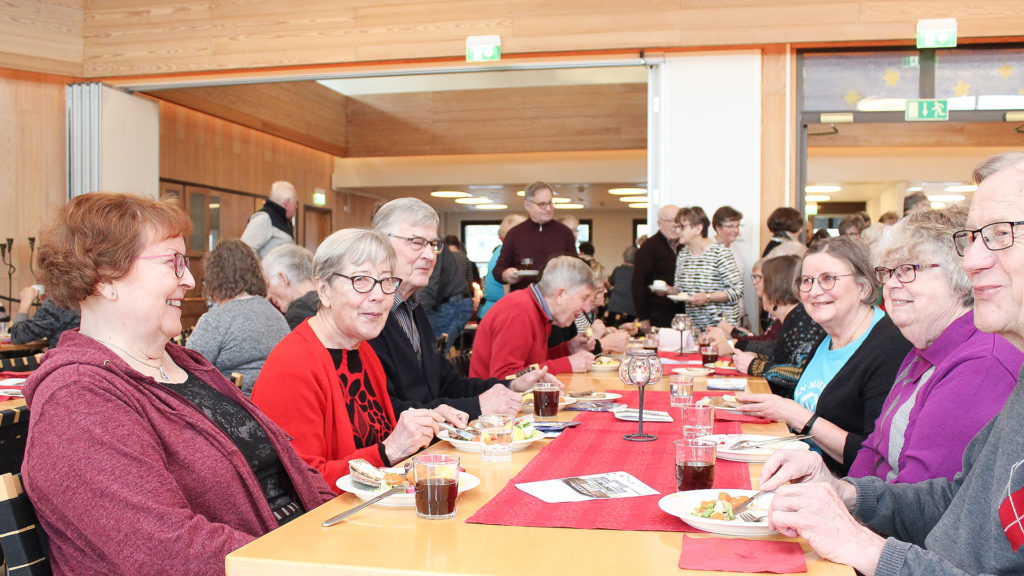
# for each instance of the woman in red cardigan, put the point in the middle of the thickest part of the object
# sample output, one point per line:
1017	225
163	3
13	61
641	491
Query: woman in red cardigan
323	383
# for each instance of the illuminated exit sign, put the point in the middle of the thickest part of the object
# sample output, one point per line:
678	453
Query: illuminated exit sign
483	48
936	33
926	111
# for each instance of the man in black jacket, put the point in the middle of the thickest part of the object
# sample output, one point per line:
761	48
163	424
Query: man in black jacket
418	376
656	260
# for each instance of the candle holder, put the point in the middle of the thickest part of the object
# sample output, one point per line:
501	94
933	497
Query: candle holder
639	368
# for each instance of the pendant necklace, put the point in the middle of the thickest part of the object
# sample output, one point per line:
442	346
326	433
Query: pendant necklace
158	367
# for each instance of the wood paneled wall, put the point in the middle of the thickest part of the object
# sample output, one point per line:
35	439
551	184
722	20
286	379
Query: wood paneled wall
125	37
42	36
33	177
918	134
540	119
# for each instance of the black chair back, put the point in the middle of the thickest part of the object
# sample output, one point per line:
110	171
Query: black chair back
20	363
23	542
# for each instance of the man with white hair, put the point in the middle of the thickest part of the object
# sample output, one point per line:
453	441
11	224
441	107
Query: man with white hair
288	270
974	523
656	260
418	376
271	226
515	332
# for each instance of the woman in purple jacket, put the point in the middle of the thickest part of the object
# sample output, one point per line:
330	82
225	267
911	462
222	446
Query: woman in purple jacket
956	378
142	458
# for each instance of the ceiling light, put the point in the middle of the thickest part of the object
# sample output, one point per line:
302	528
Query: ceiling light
473	200
961	188
938	205
822	188
572	206
627	191
642	205
632	199
521	193
946	197
558	200
491	207
449	194
915	188
817	198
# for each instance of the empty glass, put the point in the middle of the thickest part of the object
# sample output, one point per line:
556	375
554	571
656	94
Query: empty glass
698	420
680	390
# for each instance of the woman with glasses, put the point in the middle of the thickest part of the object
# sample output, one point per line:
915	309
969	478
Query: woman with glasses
141	457
324	384
956	378
242	327
841	391
706	271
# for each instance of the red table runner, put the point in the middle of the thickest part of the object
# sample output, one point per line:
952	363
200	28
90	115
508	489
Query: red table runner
692	356
596	447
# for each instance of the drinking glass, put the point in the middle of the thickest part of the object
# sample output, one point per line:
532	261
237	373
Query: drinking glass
680	390
437	485
708	351
545	400
526	263
698	420
639	368
496	436
695	464
682	323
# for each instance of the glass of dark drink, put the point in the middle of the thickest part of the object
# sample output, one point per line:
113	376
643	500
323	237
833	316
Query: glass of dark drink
695	464
545	401
437	485
708	356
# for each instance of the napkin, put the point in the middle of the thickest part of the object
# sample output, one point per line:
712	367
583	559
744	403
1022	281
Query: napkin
739	555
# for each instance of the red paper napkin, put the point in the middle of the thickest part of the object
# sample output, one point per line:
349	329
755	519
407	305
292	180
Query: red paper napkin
738	555
730	416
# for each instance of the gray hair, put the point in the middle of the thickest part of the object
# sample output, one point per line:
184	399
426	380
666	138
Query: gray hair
281	190
535	187
409	211
629	254
295	262
351	246
854	252
567	272
994	164
927	238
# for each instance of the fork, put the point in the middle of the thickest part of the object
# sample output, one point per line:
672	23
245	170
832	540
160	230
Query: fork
748	444
747	502
751	517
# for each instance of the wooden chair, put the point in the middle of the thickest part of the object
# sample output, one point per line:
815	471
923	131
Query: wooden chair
24	544
442	342
20	363
461	363
237	378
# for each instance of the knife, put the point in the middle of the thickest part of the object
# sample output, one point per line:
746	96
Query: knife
464	434
396	490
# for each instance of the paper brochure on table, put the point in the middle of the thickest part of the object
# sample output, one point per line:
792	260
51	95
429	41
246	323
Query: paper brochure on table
727	384
583	488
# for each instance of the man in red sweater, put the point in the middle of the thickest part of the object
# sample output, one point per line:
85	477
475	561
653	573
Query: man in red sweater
515	332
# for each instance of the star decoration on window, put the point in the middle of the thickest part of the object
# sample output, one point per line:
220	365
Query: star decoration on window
852	97
961	89
892	77
1006	71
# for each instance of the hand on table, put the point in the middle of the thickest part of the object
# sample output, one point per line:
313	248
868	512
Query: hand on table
742	360
581	361
498	399
414	430
774	408
615	342
526	382
818	514
794	466
453	416
581	342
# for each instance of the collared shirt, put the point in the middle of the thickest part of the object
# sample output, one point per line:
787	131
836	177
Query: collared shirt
402	309
540	300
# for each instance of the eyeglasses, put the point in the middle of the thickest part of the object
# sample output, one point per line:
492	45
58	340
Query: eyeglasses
996	236
756	277
825	280
905	273
364	284
682	225
542	205
180	261
421	243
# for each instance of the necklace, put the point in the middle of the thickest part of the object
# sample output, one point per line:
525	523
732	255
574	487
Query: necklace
159	367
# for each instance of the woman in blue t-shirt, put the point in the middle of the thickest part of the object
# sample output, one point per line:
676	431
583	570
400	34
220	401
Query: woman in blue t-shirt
842	389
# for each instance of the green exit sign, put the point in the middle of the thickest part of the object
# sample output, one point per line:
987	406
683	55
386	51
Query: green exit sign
483	48
926	111
937	33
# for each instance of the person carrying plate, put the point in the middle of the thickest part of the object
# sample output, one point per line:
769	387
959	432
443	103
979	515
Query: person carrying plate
142	458
534	241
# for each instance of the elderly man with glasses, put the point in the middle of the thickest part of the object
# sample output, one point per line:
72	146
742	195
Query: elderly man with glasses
529	246
656	261
974	523
418	376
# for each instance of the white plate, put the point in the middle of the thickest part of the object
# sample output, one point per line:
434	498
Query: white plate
16	392
7	382
654	288
752	455
681	297
524	273
694	371
599	397
682	505
475	446
604	367
466	482
563	401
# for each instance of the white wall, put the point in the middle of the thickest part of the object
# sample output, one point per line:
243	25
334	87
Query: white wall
130	144
704	146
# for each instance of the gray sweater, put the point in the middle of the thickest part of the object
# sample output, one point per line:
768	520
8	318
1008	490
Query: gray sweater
238	336
939	527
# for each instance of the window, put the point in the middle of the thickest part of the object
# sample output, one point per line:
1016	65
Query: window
480	239
640	228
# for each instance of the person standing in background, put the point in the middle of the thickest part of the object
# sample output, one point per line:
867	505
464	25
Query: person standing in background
288	270
620	299
493	289
271	226
656	260
531	244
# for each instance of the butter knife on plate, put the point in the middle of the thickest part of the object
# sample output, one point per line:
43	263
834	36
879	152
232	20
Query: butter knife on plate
395	490
453	431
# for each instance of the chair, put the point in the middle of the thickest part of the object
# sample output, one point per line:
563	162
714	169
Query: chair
20	363
461	363
24	544
237	378
442	342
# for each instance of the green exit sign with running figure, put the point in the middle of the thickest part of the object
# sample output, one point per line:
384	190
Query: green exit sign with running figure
927	110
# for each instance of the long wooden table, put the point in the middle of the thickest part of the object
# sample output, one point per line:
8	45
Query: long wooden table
380	540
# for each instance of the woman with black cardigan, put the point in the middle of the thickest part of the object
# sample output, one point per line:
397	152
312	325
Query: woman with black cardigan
842	389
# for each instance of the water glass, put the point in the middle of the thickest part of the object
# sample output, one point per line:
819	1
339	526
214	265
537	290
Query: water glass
695	464
496	436
698	420
680	390
437	485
